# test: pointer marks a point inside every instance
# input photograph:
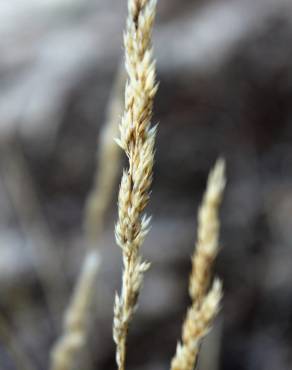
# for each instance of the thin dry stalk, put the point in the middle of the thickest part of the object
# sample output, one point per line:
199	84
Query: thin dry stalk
72	341
205	305
137	140
108	164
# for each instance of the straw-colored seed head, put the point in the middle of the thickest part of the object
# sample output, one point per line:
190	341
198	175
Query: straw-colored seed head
137	140
198	319
208	232
205	305
197	324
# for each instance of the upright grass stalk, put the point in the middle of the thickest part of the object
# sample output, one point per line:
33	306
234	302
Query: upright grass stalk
137	140
205	304
73	339
75	323
108	164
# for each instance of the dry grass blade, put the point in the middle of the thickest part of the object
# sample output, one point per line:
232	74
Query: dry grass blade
205	305
137	140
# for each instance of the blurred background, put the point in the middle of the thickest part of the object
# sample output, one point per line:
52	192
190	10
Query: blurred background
225	75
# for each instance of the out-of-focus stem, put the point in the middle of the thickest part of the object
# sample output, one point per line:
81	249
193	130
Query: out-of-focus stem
108	164
75	328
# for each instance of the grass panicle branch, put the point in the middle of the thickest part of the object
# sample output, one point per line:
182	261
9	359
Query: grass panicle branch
205	304
137	140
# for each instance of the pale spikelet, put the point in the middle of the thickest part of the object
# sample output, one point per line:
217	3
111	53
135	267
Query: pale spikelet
63	355
208	233
196	325
204	305
137	140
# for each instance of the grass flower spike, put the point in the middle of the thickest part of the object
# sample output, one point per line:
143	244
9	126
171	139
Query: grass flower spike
207	244
137	140
205	304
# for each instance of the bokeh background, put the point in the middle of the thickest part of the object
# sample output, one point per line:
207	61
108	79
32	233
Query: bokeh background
225	75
